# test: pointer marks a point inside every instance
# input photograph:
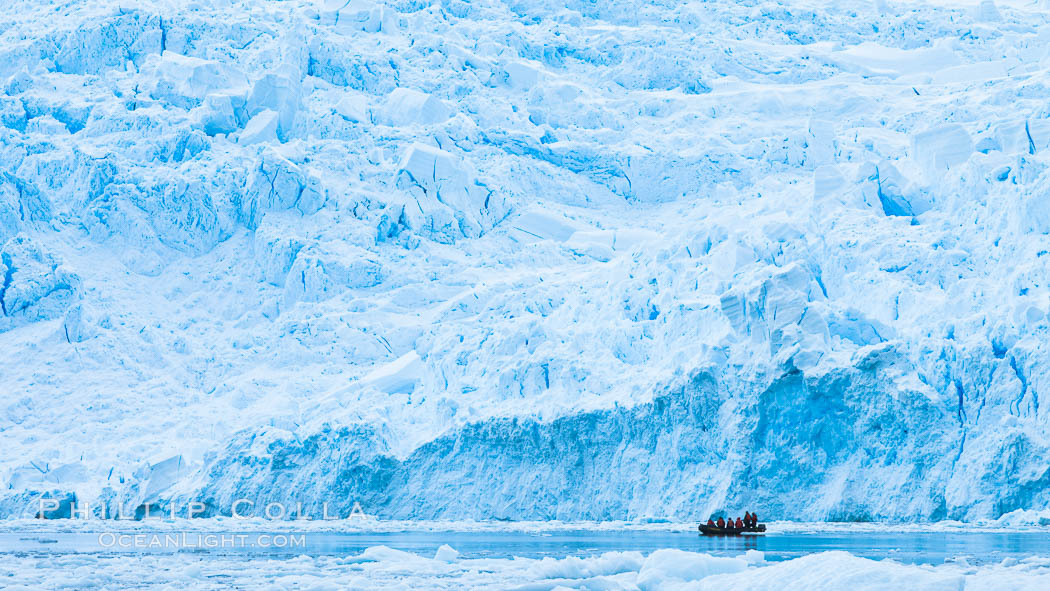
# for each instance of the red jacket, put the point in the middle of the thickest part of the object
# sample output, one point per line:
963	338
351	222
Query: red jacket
721	522
739	523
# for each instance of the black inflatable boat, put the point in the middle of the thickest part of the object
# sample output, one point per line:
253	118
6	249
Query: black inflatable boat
714	530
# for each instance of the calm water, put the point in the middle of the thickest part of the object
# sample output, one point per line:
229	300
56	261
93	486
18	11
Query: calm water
929	547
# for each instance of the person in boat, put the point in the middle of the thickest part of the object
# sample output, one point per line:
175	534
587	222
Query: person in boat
747	519
754	520
711	522
739	523
721	522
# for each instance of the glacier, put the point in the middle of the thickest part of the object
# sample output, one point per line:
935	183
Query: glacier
509	260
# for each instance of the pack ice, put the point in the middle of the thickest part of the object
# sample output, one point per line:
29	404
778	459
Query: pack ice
527	260
384	568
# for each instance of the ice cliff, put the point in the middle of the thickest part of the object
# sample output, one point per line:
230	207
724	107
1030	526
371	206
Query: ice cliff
508	259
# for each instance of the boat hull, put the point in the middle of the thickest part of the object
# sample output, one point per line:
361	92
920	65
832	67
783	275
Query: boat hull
714	530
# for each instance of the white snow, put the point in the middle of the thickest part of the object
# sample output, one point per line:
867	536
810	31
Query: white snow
398	376
260	128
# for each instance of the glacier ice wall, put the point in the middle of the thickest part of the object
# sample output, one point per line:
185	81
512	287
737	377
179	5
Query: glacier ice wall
527	260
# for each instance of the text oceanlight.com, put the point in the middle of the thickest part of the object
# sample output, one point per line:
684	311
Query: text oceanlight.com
185	540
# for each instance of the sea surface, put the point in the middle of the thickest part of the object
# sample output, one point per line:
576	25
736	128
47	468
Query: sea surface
977	547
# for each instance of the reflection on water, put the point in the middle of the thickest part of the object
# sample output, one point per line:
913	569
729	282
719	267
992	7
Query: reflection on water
917	547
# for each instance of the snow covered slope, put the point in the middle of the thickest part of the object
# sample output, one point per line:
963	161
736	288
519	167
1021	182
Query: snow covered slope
507	259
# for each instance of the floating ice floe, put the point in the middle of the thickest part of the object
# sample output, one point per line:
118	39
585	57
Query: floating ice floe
386	568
